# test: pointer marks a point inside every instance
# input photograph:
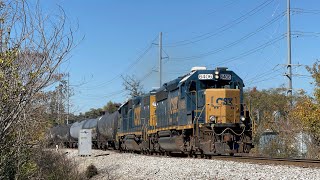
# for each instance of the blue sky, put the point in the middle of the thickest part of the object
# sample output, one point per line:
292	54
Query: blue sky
247	36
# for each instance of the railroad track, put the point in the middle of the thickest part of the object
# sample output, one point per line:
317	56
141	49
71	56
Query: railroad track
313	163
275	161
307	163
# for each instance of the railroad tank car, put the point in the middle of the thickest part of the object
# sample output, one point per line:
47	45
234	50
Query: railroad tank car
201	113
59	135
107	126
61	132
51	135
68	134
74	133
75	129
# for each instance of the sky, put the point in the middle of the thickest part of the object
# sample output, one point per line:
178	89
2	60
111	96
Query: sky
120	38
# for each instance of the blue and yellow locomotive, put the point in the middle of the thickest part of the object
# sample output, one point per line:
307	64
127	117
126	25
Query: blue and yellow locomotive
201	113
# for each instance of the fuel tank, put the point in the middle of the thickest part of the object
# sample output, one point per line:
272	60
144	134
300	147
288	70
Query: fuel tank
171	142
130	143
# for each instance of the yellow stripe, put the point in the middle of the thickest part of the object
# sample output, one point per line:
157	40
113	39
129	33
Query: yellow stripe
153	117
153	131
189	126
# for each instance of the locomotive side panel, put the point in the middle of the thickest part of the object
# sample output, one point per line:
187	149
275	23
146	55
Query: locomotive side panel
173	109
153	107
145	112
161	113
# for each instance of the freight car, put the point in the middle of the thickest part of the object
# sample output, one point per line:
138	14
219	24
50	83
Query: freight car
201	113
59	135
103	132
107	127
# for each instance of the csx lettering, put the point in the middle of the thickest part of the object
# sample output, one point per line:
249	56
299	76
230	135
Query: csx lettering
225	101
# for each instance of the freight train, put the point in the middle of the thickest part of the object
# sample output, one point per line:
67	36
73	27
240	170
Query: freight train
200	113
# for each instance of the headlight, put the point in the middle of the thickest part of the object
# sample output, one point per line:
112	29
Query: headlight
216	72
216	76
242	118
212	118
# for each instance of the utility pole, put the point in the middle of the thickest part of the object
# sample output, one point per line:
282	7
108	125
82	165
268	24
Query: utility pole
160	59
1	35
68	96
289	65
58	104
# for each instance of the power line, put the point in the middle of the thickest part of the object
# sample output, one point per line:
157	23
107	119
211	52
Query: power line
118	92
256	80
305	33
226	5
263	80
231	44
222	28
258	76
305	11
265	75
251	51
148	48
223	8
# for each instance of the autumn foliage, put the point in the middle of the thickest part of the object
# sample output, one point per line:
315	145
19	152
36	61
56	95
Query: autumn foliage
295	120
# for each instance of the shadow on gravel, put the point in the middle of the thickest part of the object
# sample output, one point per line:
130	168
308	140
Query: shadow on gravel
178	155
101	155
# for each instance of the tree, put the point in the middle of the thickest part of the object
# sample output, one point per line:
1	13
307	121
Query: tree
294	123
307	111
58	102
111	107
93	113
270	110
132	85
33	45
267	106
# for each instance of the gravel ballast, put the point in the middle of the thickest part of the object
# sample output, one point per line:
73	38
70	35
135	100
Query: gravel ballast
114	165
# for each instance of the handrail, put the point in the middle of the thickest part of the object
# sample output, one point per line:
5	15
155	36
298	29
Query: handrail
197	122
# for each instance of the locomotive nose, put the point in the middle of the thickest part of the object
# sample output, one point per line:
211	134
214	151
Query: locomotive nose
222	105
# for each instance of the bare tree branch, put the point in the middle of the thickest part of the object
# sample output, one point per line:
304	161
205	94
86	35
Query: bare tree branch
132	85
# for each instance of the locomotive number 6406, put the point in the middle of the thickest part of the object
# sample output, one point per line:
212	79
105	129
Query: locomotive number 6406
205	76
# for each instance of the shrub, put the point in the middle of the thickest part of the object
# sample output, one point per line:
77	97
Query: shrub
91	171
47	164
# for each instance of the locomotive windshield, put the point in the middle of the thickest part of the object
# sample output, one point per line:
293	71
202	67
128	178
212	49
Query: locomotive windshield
214	84
219	84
